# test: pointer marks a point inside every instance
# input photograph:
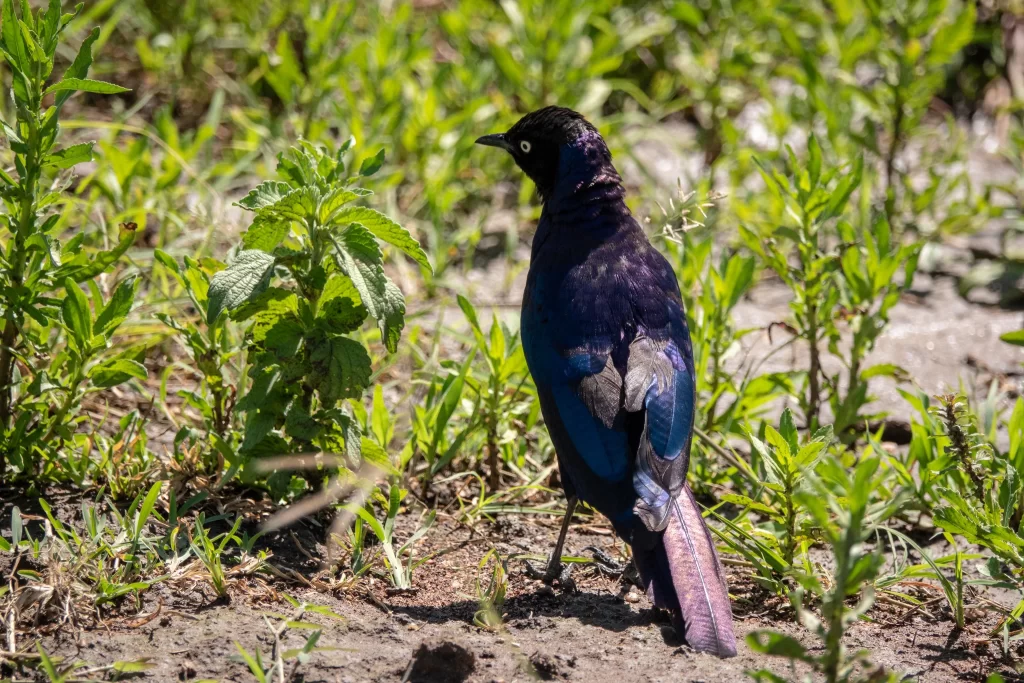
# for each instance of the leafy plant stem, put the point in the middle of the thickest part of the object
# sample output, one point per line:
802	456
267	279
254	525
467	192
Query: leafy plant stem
26	218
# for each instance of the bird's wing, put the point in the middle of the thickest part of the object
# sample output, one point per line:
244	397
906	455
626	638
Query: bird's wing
582	405
659	384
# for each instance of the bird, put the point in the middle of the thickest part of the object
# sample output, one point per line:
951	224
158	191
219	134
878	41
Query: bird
604	332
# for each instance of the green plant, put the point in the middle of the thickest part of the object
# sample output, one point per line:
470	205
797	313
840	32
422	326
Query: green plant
34	262
838	270
322	256
846	524
987	507
491	598
399	559
211	553
278	654
503	406
211	348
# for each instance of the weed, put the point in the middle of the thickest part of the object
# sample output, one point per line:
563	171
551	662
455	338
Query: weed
35	263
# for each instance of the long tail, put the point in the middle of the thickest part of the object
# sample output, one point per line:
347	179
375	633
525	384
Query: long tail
681	571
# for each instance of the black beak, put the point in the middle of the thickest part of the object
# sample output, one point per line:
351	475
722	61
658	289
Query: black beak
497	140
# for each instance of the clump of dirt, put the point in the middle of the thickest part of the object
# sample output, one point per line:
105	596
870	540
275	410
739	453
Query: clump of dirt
548	667
441	661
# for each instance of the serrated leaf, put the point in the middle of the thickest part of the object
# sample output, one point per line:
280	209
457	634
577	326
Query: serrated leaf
116	371
118	308
362	261
278	332
341	307
64	159
334	200
297	205
86	85
266	233
264	194
298	424
341	367
385	229
246	277
284	299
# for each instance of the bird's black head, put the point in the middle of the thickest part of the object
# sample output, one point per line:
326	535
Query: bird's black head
538	140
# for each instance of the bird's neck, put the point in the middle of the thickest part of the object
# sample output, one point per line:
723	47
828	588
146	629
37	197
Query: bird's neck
585	175
587	200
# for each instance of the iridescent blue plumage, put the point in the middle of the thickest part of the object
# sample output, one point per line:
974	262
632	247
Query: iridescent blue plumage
605	337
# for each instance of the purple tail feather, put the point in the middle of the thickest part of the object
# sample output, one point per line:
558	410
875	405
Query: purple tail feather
681	571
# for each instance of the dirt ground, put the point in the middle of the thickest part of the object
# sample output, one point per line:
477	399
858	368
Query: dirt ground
602	632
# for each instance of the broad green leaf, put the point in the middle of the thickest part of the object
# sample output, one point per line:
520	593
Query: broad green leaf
264	194
75	314
117	309
85	85
334	200
266	232
341	309
246	277
373	164
298	424
116	371
385	229
374	454
297	205
278	329
341	367
282	299
361	260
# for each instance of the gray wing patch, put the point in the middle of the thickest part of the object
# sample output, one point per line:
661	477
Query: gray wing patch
602	393
646	362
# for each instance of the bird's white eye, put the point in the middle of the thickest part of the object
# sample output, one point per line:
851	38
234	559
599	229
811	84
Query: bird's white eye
525	146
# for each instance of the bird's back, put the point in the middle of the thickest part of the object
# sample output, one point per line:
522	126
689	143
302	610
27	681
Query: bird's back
592	289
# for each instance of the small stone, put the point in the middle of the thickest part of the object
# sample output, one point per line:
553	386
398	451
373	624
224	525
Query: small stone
632	597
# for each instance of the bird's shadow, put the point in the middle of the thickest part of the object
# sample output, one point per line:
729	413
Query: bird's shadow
531	610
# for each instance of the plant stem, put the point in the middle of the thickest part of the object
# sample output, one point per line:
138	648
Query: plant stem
790	548
12	317
894	146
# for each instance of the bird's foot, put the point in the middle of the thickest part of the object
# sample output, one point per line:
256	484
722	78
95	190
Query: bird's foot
555	572
605	565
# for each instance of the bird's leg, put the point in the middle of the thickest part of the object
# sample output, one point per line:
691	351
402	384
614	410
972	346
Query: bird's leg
555	570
